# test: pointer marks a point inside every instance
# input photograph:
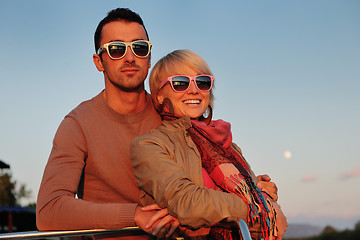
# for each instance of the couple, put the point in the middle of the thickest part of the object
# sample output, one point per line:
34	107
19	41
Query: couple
89	182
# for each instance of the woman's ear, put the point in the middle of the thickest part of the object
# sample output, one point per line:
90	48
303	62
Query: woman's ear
160	99
167	106
98	63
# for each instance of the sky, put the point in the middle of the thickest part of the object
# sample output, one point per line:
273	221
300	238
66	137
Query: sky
287	77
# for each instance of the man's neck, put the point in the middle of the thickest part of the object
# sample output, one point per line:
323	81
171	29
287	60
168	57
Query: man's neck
125	102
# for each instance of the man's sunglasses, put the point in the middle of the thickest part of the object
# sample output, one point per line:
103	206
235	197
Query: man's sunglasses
181	83
117	50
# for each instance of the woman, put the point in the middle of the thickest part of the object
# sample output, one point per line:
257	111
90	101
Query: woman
189	164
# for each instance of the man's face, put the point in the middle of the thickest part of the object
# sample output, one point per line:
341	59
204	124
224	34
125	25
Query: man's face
129	72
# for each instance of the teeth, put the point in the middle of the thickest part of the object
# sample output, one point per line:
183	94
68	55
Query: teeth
192	101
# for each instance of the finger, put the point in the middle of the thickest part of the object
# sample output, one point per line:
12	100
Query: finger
174	225
151	207
270	188
270	185
264	177
163	231
158	215
272	195
275	188
165	220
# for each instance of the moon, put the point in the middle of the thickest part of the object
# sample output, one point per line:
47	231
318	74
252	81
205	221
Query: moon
287	154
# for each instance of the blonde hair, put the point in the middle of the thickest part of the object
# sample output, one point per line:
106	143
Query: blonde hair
172	64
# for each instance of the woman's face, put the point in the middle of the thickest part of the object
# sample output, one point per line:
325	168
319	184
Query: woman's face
191	103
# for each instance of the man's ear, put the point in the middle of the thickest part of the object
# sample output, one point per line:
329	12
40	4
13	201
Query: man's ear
149	60
98	63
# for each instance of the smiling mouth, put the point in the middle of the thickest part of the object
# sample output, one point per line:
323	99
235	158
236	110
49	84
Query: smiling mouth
192	101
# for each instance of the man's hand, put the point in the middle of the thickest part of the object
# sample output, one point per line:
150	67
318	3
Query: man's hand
269	187
281	221
156	221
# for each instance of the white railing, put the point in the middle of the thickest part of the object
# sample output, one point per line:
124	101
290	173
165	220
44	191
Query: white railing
130	231
52	234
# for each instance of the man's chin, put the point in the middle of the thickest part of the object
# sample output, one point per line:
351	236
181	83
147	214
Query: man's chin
137	88
129	86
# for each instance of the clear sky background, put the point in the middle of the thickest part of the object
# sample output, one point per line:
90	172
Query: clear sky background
287	78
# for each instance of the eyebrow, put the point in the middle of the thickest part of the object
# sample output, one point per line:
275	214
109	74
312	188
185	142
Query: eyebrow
119	40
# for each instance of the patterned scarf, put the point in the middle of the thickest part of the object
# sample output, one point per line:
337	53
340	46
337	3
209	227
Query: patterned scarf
230	173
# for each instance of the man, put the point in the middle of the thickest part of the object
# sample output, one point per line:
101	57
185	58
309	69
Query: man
91	149
88	181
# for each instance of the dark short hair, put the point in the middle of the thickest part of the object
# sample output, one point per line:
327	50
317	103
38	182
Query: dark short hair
116	15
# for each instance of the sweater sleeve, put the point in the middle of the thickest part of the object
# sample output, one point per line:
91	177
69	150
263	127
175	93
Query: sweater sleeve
159	175
58	208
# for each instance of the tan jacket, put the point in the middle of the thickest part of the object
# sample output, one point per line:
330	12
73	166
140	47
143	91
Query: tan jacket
167	166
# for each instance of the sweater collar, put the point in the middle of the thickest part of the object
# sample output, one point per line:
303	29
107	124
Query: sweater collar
129	118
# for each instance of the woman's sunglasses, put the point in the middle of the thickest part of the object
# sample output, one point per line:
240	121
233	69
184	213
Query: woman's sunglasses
117	50
181	83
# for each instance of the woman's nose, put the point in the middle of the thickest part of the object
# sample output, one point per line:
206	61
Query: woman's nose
192	88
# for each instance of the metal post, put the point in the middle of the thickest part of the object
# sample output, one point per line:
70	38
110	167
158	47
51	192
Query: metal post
10	222
244	230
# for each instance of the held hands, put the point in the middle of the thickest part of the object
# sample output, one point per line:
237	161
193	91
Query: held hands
156	221
269	187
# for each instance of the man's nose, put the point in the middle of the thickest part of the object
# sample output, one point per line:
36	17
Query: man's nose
129	56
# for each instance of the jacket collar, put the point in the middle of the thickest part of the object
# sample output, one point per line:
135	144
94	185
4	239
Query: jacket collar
178	124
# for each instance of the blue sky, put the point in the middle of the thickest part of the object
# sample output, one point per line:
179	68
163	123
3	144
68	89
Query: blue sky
287	78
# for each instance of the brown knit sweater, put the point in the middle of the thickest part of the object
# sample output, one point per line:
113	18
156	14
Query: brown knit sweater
90	159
